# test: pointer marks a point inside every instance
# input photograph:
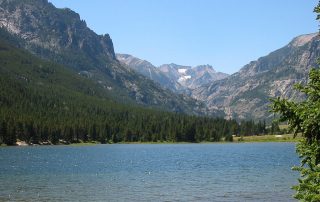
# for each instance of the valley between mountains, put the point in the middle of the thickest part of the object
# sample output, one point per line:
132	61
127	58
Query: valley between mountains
61	36
130	130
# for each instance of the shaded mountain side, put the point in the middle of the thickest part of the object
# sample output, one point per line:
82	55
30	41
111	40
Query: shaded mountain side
59	35
246	94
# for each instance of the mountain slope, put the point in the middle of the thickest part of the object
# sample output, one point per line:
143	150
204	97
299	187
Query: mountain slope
147	69
246	94
20	68
62	37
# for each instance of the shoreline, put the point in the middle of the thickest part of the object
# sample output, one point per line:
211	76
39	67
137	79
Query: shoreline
245	139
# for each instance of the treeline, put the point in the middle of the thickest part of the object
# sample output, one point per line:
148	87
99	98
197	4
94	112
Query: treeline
108	125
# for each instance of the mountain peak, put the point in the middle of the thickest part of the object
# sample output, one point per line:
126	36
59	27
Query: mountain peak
43	25
302	39
176	66
206	67
133	61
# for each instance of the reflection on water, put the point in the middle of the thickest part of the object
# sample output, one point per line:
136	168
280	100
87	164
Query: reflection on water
164	172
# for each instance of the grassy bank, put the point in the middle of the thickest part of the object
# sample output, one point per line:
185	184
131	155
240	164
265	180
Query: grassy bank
268	138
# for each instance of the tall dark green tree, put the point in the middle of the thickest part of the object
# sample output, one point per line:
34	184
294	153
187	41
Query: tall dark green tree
3	131
304	118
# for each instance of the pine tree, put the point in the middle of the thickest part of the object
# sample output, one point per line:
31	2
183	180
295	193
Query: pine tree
304	117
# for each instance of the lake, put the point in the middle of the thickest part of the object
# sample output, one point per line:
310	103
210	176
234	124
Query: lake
149	172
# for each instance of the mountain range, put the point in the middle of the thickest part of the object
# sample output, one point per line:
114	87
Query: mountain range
247	93
147	69
192	77
62	37
178	78
59	35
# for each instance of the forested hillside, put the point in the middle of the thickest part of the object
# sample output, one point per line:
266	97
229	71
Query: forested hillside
42	101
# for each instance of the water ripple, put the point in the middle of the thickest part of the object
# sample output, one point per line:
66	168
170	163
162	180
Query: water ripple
182	172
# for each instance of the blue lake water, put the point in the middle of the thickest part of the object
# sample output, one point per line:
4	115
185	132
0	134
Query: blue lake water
149	172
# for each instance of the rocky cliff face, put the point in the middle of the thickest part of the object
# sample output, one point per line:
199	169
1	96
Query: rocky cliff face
56	30
246	93
61	36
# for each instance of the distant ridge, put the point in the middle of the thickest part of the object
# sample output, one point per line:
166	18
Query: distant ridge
179	78
246	94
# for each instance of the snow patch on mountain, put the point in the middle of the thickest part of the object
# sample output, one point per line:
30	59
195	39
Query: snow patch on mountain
182	71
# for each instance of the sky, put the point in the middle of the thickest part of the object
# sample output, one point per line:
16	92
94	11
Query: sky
226	34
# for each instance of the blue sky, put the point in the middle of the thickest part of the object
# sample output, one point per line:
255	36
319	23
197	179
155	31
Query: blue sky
226	34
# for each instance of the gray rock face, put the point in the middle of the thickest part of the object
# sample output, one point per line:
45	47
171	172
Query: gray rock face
57	30
246	93
61	36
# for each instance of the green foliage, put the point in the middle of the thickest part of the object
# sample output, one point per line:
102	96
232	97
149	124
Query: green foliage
304	117
317	10
309	184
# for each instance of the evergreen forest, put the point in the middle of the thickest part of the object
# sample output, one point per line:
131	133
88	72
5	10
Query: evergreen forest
41	101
